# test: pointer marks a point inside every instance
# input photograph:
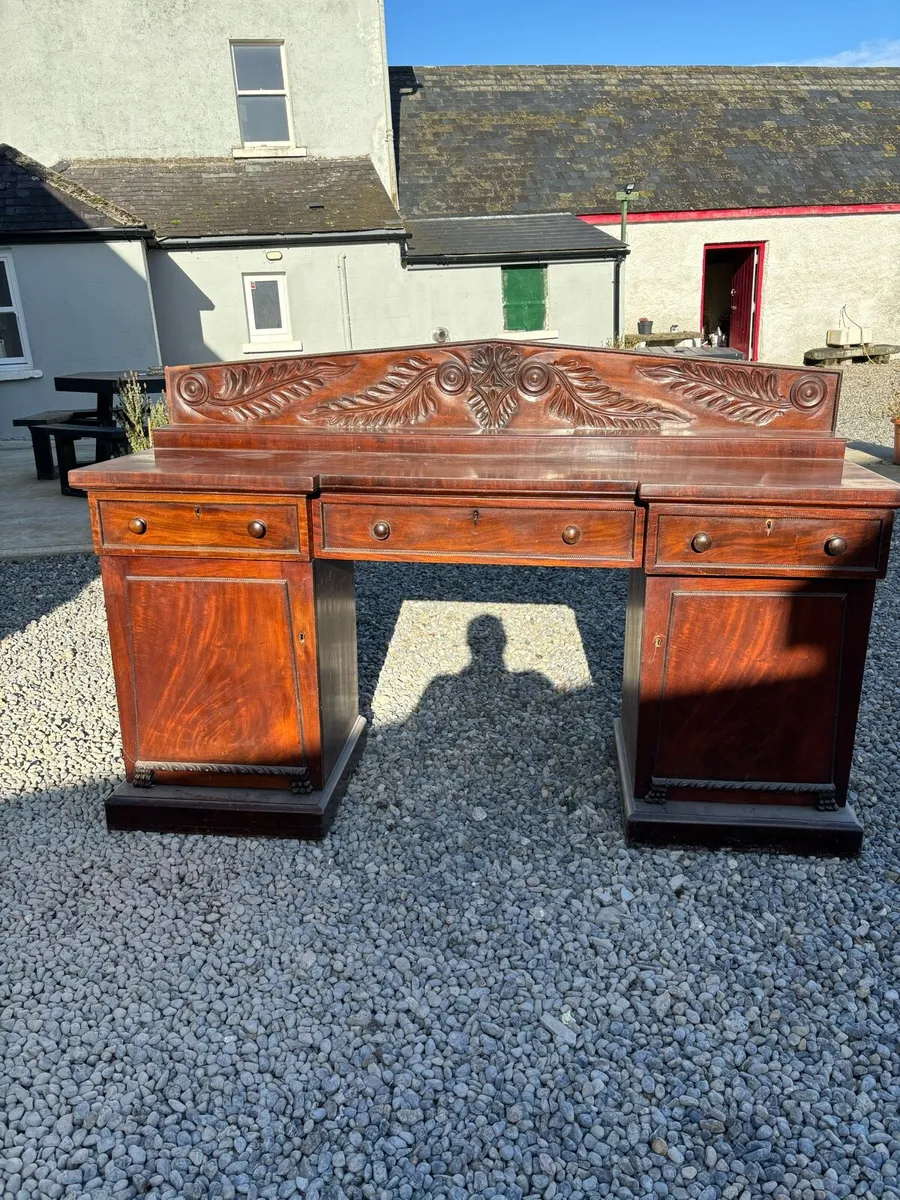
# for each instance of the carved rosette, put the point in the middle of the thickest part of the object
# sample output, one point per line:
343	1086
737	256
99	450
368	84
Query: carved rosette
496	381
808	392
256	390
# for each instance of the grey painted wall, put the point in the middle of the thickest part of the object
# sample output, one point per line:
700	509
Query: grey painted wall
153	78
86	307
813	266
200	308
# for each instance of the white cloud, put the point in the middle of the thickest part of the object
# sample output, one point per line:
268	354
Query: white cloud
882	52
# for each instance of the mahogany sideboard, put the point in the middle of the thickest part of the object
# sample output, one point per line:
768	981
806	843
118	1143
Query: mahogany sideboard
752	548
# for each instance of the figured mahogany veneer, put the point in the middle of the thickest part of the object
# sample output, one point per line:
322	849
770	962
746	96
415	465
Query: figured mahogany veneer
753	550
693	540
441	529
139	524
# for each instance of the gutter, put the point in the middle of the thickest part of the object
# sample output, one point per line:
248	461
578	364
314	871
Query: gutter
218	241
418	261
125	233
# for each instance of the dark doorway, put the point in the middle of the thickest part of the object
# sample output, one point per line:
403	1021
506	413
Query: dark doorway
732	292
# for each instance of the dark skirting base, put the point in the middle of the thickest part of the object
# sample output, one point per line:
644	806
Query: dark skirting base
748	826
236	812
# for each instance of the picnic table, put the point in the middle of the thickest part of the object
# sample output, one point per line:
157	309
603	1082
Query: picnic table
66	426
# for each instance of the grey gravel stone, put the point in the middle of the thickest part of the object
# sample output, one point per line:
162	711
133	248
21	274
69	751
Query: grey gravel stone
421	1005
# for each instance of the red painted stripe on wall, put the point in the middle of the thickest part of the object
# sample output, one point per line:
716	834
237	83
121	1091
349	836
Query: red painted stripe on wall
734	214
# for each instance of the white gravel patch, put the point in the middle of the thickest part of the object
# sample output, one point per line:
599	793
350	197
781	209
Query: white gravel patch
870	397
471	988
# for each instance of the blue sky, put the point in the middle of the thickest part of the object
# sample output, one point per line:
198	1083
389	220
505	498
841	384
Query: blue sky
846	33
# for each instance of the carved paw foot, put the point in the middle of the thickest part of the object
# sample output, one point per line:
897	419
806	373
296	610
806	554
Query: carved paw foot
825	802
656	795
144	777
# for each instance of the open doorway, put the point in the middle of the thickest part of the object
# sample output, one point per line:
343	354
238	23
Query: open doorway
732	292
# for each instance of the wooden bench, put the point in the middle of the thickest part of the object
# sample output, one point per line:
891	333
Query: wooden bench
831	356
112	442
40	438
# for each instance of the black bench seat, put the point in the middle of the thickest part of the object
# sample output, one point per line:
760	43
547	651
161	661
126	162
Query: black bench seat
112	442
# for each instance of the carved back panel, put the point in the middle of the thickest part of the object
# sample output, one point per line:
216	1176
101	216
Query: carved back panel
483	388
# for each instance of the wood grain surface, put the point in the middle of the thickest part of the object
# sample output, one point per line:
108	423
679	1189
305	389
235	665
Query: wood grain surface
445	529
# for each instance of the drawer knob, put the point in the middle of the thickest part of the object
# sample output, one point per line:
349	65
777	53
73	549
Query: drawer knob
571	534
137	525
701	542
257	529
835	546
381	530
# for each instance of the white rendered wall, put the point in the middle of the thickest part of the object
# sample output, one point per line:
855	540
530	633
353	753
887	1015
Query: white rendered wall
813	266
86	307
153	78
200	306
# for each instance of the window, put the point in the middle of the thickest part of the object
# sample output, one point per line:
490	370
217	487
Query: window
262	100
14	350
525	298
267	311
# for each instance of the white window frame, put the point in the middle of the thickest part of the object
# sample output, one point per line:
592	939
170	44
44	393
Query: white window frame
269	92
25	359
268	335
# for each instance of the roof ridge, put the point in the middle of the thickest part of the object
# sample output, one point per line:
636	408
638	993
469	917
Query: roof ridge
69	187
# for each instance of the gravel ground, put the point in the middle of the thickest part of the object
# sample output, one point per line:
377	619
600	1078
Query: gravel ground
472	988
870	397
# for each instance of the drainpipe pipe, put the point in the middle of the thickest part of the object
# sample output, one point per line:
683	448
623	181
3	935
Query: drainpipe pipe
623	197
345	301
617	294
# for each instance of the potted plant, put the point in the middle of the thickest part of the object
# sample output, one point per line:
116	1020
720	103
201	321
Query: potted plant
645	325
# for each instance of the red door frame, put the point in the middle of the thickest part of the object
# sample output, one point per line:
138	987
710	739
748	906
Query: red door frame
757	314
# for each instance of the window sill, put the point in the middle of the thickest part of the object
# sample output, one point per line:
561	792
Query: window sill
538	335
271	348
10	374
269	152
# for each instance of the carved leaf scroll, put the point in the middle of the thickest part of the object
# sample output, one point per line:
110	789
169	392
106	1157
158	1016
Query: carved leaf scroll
750	395
577	395
247	393
495	381
406	396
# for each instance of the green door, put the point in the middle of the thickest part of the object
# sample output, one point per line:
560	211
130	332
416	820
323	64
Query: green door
525	298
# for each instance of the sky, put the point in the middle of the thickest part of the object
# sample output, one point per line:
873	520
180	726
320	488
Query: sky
850	33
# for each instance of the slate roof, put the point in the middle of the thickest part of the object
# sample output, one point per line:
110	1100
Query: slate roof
186	198
482	140
36	200
532	236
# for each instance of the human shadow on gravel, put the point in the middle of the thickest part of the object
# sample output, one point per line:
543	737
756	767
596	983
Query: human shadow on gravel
32	588
596	597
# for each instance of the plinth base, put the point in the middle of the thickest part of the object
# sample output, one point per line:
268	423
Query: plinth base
236	812
750	826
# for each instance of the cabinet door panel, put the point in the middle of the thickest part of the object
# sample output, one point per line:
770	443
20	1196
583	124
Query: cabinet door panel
214	669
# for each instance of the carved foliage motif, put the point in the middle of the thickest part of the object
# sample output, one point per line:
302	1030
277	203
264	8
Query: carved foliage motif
246	393
750	396
497	380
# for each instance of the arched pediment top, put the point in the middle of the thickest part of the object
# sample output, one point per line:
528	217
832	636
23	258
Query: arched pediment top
486	387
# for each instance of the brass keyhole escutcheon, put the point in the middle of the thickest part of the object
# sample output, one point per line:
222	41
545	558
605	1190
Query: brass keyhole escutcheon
571	534
836	546
257	529
381	530
701	542
137	525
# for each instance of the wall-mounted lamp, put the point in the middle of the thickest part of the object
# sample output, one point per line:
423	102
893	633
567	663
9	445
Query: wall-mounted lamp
273	255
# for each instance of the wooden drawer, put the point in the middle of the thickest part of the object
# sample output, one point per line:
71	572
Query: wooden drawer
690	540
544	533
182	526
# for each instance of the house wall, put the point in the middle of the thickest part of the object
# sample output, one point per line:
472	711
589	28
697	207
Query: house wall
153	78
813	266
86	307
199	300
